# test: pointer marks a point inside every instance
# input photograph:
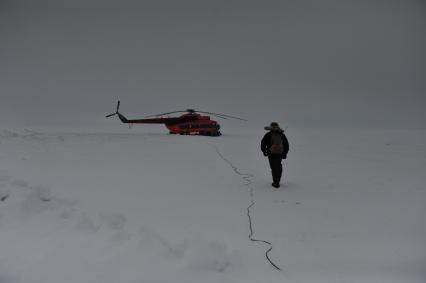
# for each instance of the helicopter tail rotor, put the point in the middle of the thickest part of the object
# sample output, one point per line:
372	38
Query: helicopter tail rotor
120	116
116	112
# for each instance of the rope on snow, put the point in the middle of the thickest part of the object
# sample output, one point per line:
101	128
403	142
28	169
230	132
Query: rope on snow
247	178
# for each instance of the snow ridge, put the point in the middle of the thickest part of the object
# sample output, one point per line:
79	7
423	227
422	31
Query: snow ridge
248	179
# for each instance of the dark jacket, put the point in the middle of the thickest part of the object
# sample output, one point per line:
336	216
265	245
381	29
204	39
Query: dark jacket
267	141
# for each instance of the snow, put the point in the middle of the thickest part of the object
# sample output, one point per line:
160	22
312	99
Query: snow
144	206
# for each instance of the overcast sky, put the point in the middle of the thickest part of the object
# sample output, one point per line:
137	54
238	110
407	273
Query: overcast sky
335	63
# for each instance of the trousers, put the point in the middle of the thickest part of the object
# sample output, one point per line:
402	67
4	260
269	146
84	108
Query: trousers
276	167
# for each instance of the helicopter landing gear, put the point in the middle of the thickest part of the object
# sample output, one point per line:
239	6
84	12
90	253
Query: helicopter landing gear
210	134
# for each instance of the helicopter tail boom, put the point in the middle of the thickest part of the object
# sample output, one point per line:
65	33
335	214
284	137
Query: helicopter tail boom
166	121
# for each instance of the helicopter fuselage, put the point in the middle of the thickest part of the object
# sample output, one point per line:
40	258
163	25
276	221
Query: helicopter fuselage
190	123
187	124
196	124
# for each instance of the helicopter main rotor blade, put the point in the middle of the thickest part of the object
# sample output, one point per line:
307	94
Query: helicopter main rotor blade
220	115
215	115
167	113
224	116
118	105
112	114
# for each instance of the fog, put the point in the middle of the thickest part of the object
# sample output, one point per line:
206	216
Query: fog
304	63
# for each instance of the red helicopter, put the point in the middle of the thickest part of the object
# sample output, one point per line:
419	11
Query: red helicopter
190	123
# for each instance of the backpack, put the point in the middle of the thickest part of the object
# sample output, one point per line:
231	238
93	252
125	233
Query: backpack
276	144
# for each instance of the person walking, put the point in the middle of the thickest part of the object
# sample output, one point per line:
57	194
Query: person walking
275	146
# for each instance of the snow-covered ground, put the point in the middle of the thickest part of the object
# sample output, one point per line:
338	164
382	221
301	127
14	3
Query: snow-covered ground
144	206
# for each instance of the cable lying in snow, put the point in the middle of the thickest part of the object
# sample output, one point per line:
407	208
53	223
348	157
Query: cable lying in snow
247	178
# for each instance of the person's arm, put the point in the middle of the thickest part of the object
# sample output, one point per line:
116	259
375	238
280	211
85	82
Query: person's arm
286	146
263	145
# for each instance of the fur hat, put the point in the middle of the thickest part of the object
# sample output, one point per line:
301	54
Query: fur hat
273	127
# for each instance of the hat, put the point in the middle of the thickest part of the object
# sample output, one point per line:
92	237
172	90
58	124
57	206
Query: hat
273	127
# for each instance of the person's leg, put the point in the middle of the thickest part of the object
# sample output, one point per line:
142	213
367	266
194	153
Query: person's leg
276	168
279	169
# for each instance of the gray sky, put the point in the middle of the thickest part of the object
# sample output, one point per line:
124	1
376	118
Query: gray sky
336	63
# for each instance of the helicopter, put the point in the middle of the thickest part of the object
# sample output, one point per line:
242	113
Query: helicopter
189	123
